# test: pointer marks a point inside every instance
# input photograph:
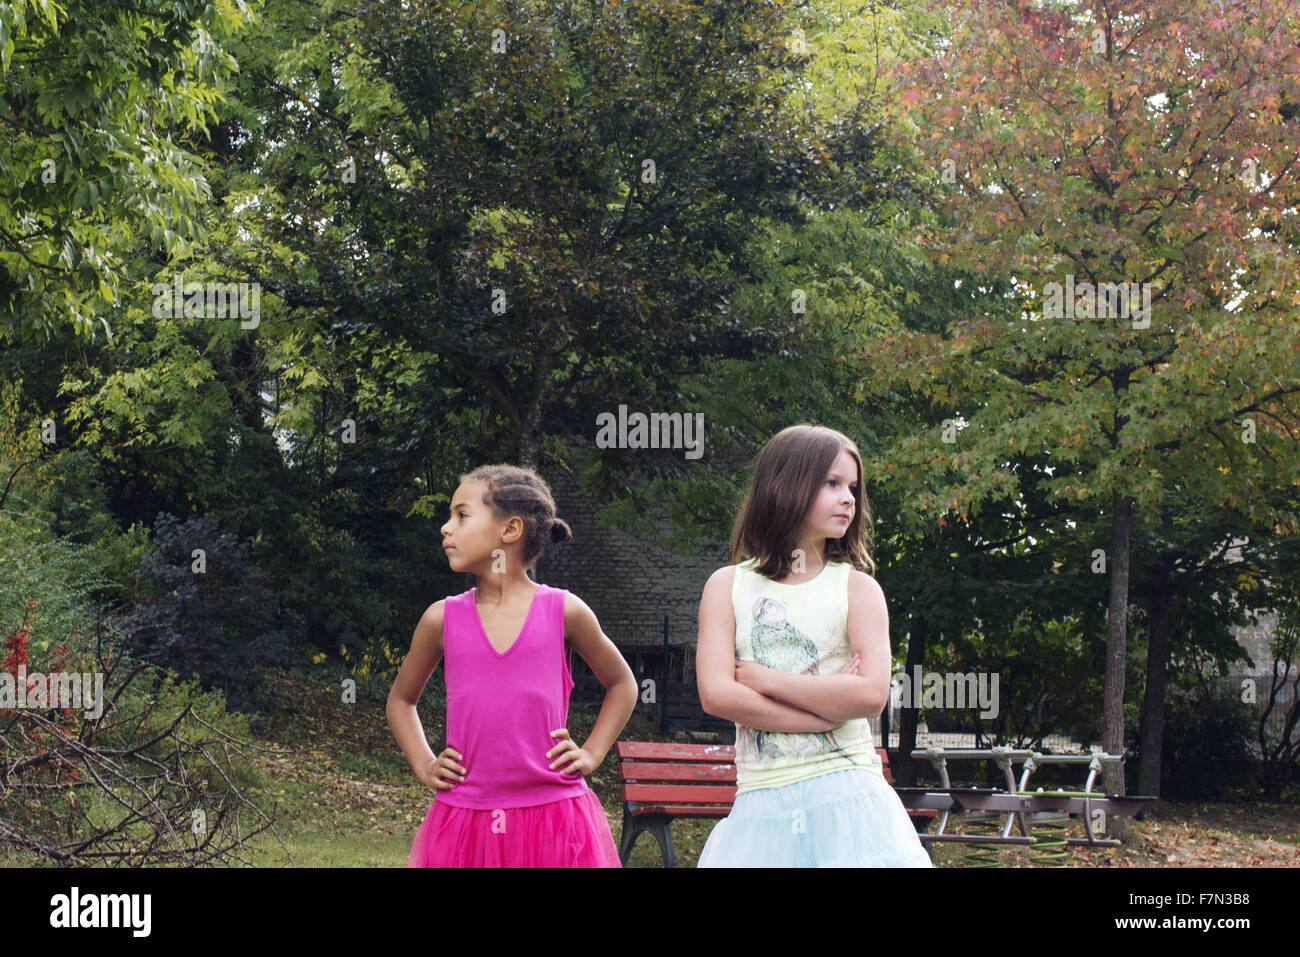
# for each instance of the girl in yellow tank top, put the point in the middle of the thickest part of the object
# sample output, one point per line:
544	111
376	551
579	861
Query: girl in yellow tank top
794	647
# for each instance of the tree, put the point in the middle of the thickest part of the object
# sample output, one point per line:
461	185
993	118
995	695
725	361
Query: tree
1110	143
88	167
381	175
1191	572
1281	748
547	204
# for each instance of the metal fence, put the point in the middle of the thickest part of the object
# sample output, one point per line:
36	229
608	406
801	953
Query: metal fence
1257	687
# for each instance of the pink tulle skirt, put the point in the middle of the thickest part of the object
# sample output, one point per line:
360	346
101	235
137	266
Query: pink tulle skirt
572	832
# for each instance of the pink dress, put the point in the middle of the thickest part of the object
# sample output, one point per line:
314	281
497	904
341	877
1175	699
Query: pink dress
511	810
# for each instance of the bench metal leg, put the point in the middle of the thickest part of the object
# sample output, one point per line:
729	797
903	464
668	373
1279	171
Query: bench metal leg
922	825
656	824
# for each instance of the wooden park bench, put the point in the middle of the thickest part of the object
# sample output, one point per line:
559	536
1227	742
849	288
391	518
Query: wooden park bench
662	782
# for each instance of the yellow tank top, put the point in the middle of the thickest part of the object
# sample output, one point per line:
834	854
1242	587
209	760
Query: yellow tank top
801	628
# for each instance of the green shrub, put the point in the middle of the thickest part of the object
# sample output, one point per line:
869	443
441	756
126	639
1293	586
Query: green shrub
1208	751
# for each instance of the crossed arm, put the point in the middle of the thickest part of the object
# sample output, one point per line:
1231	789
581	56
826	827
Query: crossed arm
771	700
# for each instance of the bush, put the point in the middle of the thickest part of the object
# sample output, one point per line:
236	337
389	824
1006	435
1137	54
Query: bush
157	776
54	573
160	776
216	616
1208	751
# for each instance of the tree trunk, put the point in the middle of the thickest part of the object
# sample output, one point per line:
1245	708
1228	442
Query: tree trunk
1153	700
903	767
1116	642
529	450
246	391
530	428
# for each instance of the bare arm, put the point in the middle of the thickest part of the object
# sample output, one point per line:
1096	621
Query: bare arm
715	671
425	653
584	634
842	696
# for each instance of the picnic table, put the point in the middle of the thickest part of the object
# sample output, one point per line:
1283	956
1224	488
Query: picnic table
1021	807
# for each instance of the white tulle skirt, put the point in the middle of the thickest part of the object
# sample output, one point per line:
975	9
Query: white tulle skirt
849	818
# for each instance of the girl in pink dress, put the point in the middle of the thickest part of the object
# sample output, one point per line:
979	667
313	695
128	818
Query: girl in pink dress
510	782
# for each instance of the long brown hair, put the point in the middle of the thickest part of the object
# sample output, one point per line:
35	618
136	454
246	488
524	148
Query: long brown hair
787	477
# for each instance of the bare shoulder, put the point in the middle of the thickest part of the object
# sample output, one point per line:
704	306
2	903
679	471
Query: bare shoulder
429	628
721	579
576	611
433	614
715	602
864	587
582	628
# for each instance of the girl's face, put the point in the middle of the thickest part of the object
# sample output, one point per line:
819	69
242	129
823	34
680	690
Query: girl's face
831	512
472	532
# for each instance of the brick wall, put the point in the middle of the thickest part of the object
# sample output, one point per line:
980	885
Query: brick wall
629	582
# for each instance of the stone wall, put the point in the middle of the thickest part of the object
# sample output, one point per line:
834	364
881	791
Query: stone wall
629	582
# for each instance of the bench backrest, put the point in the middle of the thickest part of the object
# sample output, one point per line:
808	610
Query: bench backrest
685	775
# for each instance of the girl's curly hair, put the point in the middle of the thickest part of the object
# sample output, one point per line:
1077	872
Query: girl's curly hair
512	490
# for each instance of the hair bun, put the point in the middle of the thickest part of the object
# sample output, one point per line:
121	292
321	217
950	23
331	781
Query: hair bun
560	531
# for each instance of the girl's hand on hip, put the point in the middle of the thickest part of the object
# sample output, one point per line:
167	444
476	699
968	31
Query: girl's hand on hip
445	771
568	757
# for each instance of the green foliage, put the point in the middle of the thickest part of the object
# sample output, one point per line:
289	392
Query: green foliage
211	609
57	574
155	387
382	170
1023	426
375	665
90	97
1208	744
150	721
82	513
1121	410
344	588
58	544
447	170
1033	702
845	43
50	586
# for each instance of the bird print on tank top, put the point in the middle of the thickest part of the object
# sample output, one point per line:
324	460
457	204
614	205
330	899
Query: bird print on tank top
778	644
